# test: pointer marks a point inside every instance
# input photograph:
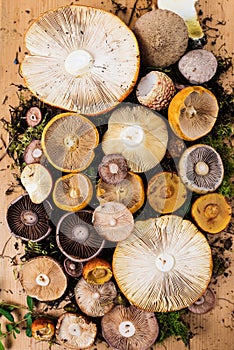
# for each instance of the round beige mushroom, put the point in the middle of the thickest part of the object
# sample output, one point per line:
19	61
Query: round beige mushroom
77	59
165	265
33	152
139	134
43	278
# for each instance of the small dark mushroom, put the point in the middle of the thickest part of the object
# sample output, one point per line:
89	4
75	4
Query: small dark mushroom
33	116
33	152
73	268
204	304
113	168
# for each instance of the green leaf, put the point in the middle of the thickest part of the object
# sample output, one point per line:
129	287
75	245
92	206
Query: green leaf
17	330
7	314
29	332
1	346
30	303
9	327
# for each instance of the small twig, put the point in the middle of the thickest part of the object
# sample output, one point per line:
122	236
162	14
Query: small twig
229	301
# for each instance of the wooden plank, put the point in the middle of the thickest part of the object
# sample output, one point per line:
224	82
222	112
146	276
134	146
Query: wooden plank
214	330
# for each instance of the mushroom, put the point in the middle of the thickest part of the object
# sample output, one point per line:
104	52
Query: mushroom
68	141
95	300
72	192
37	181
192	112
211	212
129	192
33	116
129	328
113	168
43	278
204	304
162	36
75	331
77	59
97	271
43	328
27	220
198	66
201	168
166	193
165	265
155	90
113	221
73	268
76	236
139	134
33	152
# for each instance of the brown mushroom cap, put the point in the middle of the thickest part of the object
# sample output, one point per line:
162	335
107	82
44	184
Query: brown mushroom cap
73	268
192	112
201	168
198	66
130	192
33	116
33	152
162	36
72	192
68	141
95	300
75	331
43	278
129	328
166	193
76	236
27	220
113	221
165	265
204	304
211	212
97	271
113	168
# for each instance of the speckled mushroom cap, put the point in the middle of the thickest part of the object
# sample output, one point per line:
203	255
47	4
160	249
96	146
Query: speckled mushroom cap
162	37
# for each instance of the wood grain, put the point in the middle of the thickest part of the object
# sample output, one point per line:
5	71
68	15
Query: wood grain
214	331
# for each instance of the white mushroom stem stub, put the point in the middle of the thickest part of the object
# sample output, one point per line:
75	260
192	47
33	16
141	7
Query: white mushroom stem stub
165	262
127	329
201	168
78	62
28	217
132	135
113	168
74	329
36	153
42	280
80	233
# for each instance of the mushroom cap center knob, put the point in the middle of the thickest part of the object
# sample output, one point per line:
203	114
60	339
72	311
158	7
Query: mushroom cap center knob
132	135
127	329
42	280
201	168
75	329
78	62
165	262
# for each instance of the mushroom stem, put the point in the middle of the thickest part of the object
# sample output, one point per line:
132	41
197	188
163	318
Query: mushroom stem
127	329
36	153
200	301
211	211
75	329
80	233
166	192
113	222
132	135
42	280
74	193
28	217
113	167
191	111
201	168
71	142
99	273
79	62
165	262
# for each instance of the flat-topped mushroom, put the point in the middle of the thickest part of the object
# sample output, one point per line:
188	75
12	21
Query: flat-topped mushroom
162	36
129	328
201	168
166	192
139	134
95	300
76	236
192	112
77	59
33	152
130	192
113	221
33	116
72	192
204	304
37	181
75	331
211	212
27	220
68	141
43	278
113	168
164	265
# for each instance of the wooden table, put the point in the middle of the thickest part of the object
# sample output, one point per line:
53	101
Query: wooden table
214	331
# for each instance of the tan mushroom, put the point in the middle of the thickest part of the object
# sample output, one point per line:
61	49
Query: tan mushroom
192	112
77	59
139	134
95	300
33	116
211	212
113	168
97	271
75	331
43	278
113	221
165	265
204	304
72	192
33	152
166	193
37	181
68	141
130	192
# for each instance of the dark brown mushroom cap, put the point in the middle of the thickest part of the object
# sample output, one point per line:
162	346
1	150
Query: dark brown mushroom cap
201	168
113	168
93	299
27	220
33	116
204	304
75	331
198	66
129	328
73	268
76	236
162	36
33	152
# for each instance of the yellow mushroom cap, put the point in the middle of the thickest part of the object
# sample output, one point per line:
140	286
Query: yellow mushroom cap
97	271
